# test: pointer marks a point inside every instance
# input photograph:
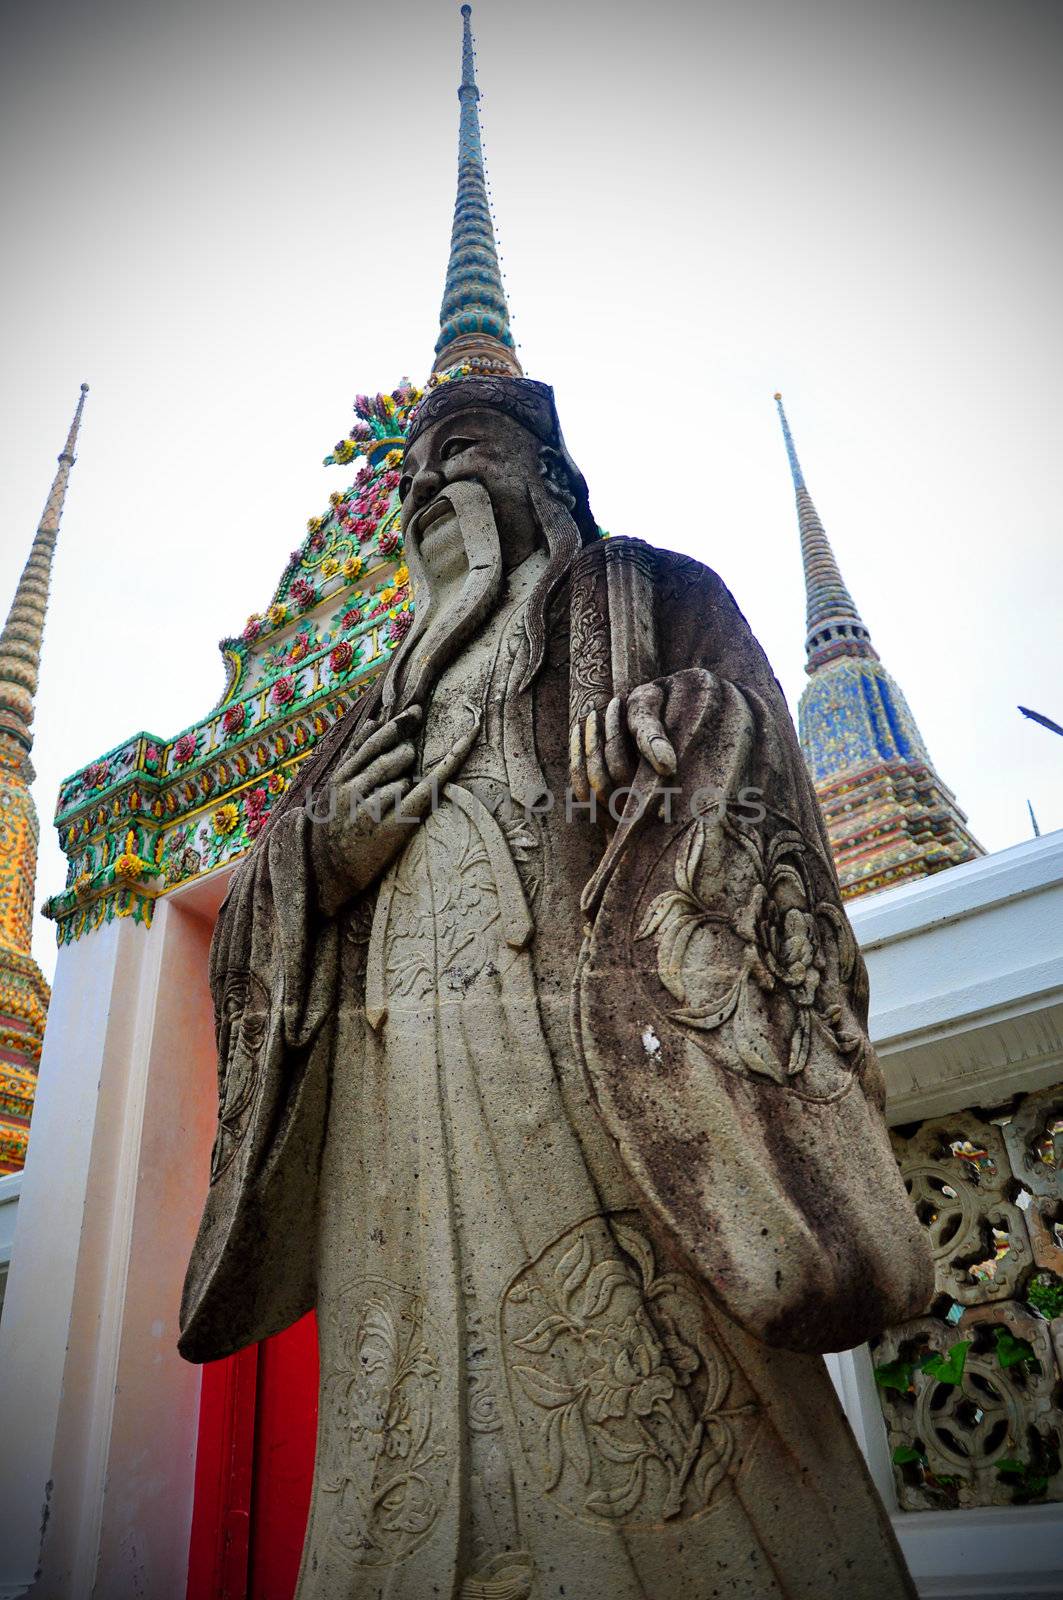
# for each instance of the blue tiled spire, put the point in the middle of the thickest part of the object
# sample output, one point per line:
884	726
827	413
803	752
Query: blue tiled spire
888	814
474	319
795	465
834	625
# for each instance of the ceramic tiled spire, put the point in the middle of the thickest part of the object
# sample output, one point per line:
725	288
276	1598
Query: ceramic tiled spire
834	626
889	815
24	994
20	642
474	319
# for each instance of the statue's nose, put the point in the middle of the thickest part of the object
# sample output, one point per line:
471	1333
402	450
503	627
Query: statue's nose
425	487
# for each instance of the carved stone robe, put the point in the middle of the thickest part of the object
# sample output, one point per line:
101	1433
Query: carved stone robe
574	1188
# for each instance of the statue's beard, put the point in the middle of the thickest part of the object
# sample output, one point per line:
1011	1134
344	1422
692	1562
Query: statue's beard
446	620
442	630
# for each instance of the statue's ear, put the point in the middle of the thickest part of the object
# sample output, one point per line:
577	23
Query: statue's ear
554	514
555	474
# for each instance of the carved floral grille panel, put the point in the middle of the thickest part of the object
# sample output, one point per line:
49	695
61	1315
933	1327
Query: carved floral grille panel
971	1393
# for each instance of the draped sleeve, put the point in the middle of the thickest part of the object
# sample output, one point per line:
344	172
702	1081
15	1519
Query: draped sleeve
722	1002
273	977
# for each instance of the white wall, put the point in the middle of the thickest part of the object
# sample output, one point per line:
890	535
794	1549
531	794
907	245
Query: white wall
96	1477
10	1189
966	974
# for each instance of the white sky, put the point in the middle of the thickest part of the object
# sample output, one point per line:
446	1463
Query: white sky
229	218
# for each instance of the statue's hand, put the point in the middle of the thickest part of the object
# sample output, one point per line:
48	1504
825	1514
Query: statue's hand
373	805
357	828
614	740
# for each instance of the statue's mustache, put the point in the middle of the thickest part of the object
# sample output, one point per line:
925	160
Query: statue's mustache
455	499
434	512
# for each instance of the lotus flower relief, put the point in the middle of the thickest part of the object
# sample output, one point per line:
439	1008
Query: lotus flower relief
621	1391
391	1473
742	938
628	1373
379	1420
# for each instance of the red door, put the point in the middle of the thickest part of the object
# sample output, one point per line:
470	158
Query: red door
254	1467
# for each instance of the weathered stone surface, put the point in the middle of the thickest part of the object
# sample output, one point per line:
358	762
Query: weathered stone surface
568	1277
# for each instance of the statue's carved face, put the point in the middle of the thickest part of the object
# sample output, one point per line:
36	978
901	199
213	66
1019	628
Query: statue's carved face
484	447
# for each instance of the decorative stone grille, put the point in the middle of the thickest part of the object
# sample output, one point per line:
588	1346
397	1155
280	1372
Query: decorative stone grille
971	1392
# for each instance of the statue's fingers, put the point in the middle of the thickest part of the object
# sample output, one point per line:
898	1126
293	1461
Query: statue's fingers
423	795
618	755
644	720
387	804
382	739
594	750
391	764
385	737
577	765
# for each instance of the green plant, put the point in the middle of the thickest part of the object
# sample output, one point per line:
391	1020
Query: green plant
947	1367
943	1366
1045	1293
1012	1352
895	1375
1029	1479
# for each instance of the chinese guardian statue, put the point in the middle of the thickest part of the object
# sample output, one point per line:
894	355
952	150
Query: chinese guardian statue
545	1076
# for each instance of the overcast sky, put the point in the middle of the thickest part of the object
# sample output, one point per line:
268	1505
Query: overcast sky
230	218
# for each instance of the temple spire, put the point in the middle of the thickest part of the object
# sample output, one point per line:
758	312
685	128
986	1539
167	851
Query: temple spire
834	626
888	814
20	642
24	994
474	318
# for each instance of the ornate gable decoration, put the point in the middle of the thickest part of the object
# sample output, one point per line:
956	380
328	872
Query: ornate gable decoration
156	812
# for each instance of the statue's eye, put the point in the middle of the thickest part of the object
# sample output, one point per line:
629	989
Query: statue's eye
454	447
404	486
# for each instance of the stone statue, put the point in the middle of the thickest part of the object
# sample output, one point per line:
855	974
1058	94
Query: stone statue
545	1079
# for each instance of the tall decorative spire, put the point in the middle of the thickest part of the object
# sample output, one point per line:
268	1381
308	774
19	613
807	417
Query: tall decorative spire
474	318
889	816
834	626
20	642
24	994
